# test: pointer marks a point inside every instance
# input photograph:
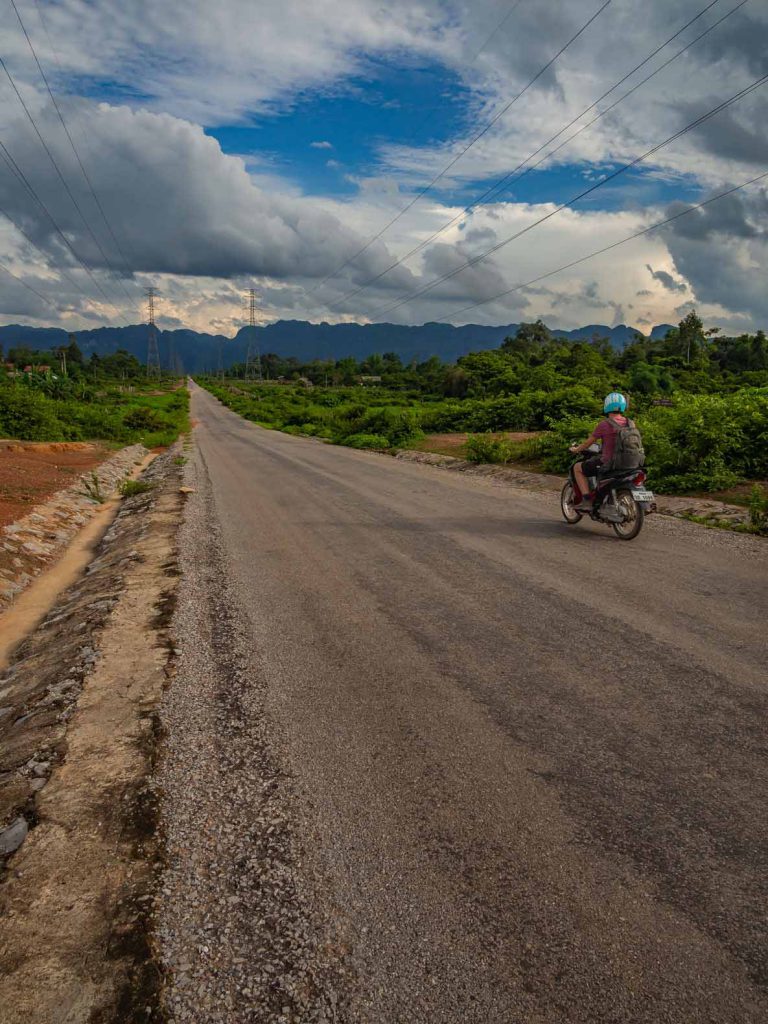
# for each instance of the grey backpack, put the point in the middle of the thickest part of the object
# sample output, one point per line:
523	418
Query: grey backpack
628	452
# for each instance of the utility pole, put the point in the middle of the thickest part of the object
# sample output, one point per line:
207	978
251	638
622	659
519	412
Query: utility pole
153	352
252	355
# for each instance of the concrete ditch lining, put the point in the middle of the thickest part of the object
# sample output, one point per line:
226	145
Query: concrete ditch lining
77	800
32	543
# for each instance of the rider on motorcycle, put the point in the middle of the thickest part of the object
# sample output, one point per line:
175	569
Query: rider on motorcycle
614	406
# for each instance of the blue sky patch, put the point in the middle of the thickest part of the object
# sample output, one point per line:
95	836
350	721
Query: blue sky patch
416	105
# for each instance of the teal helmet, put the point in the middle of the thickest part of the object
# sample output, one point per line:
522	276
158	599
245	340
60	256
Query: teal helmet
615	402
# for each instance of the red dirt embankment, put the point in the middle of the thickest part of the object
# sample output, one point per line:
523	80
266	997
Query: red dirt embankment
30	472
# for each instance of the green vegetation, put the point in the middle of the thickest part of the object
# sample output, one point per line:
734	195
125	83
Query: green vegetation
758	509
58	396
700	400
92	489
487	448
129	488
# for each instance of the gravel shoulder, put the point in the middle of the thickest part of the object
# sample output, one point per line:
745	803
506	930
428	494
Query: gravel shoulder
239	932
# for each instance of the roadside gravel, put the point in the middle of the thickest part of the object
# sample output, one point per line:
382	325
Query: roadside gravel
238	935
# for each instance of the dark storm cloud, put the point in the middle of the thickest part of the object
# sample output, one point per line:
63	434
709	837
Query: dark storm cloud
178	203
722	251
18	301
740	39
727	137
730	216
666	280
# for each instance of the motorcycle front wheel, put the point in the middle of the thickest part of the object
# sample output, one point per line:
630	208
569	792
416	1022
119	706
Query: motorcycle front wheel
634	515
568	505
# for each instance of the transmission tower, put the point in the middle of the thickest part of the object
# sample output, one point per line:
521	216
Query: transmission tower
153	352
171	356
252	355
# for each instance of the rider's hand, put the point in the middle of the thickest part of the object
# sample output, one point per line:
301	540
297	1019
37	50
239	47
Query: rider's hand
574	448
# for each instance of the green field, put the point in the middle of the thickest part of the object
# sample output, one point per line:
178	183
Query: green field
701	402
103	400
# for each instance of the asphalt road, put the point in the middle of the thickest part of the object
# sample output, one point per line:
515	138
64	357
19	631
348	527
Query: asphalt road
531	758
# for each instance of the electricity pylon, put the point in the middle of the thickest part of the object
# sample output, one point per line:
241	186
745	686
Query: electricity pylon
153	352
252	354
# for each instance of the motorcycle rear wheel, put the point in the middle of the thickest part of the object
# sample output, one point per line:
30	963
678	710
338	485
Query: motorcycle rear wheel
635	516
567	505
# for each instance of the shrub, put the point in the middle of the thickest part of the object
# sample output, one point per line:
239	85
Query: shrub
398	426
758	509
485	448
28	415
142	418
128	488
366	441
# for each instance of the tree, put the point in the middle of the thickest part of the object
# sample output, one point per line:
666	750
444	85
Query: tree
758	352
346	370
456	382
528	339
691	338
74	355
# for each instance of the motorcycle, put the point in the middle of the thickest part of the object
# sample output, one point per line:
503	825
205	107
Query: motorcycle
621	501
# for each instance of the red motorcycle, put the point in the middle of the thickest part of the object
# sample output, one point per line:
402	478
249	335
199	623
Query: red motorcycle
621	501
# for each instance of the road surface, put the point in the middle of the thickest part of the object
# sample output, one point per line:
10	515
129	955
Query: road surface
531	758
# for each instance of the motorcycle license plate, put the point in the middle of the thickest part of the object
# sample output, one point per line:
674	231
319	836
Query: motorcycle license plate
642	495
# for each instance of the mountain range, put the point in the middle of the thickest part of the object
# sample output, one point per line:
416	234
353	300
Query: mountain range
195	352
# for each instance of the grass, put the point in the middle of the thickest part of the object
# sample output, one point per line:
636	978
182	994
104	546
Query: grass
92	489
130	488
108	413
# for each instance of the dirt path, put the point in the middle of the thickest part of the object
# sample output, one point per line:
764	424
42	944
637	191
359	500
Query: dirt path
78	751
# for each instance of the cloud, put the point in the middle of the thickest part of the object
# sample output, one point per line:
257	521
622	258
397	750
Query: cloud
723	251
666	280
725	136
180	204
207	224
220	63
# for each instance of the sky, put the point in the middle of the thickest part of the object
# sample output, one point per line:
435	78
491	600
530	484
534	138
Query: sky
336	155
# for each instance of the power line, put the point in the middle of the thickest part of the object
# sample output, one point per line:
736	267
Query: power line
42	252
581	195
421	124
56	167
88	182
608	248
495	31
21	176
476	138
512	175
29	287
83	137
